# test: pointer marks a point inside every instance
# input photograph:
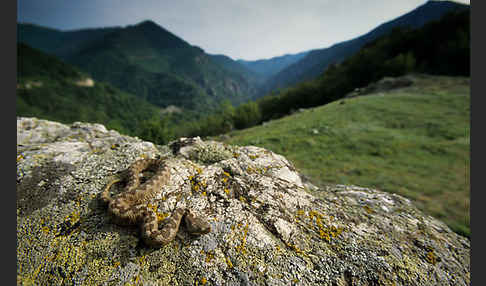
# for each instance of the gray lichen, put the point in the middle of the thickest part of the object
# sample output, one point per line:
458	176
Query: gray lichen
266	228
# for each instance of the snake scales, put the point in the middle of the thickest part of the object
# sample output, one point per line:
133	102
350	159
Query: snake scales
130	206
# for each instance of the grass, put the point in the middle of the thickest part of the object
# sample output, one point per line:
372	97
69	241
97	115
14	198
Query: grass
412	141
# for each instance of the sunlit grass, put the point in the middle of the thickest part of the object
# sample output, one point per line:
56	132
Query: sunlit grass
413	142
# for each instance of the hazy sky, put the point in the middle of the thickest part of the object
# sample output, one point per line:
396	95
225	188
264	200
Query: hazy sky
241	29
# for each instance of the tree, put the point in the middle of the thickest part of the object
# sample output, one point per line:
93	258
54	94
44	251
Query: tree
247	115
400	65
154	130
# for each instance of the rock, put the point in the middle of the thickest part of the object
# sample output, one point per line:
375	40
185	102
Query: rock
85	82
383	85
267	226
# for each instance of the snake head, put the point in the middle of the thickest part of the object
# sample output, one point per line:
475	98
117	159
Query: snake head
196	225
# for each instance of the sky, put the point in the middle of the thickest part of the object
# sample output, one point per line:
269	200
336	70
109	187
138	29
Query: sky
240	29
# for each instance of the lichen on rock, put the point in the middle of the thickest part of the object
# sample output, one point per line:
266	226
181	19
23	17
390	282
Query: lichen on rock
267	226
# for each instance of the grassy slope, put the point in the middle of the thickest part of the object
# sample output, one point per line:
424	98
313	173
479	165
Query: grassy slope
412	141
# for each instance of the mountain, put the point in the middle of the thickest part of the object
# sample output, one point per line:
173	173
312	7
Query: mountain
51	89
270	67
316	61
148	61
239	68
56	42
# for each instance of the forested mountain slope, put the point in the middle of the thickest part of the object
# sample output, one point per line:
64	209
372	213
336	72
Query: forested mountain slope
148	61
317	61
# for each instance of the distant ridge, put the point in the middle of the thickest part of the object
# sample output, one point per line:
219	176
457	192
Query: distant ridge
316	61
271	66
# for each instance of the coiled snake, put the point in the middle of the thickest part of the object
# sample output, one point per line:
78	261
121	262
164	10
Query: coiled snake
130	206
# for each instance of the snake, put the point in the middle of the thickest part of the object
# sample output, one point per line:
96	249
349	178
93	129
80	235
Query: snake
130	206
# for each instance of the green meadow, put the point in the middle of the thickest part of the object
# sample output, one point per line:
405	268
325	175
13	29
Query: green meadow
411	141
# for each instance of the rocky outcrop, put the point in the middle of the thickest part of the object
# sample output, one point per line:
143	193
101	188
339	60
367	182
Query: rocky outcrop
268	226
86	82
383	85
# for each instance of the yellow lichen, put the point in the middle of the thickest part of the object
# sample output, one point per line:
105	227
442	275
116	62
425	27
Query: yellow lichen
209	256
70	224
295	248
253	157
228	262
431	258
66	255
241	247
323	234
336	231
153	207
161	216
326	233
45	229
368	209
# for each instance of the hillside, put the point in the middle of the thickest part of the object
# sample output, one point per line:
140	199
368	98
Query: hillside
236	67
51	89
413	141
316	61
58	43
148	61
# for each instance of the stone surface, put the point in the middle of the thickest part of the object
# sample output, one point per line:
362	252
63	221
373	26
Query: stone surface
383	85
268	227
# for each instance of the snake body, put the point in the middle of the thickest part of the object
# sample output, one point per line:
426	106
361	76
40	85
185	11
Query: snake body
130	207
